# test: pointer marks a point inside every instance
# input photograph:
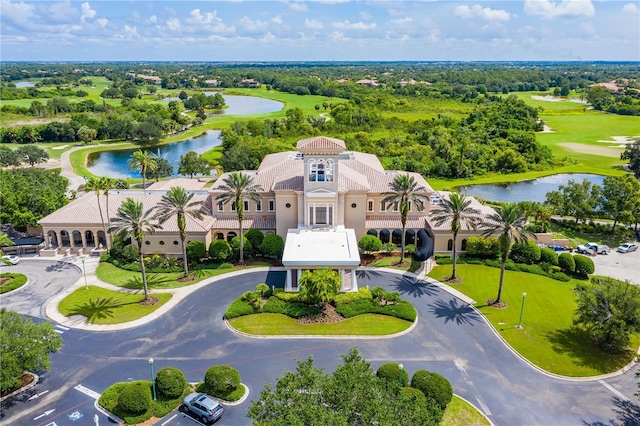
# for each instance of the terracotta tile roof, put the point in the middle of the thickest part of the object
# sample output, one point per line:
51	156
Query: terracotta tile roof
84	210
230	221
393	222
321	145
186	183
446	226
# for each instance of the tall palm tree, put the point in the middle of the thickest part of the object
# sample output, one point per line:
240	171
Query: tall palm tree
133	222
95	184
237	187
107	184
509	223
177	202
143	161
458	210
404	191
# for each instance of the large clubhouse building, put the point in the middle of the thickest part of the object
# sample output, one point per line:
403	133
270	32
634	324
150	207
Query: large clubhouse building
321	199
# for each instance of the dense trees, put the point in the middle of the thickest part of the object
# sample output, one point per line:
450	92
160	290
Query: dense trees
193	164
632	153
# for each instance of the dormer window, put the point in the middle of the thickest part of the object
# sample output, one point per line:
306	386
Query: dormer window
320	170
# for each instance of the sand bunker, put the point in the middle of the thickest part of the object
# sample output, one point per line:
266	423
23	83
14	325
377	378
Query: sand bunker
547	98
605	151
620	140
547	129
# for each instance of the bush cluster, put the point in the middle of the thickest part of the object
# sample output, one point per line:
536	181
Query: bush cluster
584	265
483	248
272	245
196	250
434	387
566	262
362	294
135	398
592	227
391	373
291	309
221	380
172	265
370	243
170	383
528	253
219	250
403	309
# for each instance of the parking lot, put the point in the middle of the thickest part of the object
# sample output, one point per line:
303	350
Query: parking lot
622	266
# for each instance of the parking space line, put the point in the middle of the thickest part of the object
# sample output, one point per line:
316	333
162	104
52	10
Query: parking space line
615	391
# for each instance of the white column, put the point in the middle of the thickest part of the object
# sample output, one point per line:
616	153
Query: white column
354	281
342	288
287	281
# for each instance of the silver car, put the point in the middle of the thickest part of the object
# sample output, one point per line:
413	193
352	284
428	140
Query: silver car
203	406
627	247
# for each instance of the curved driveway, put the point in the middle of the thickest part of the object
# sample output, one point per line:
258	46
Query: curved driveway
450	338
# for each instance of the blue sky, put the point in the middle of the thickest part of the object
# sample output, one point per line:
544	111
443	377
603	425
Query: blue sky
313	30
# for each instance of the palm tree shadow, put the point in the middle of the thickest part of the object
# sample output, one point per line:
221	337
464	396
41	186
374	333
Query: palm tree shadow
367	273
406	286
98	309
454	311
58	266
627	414
153	281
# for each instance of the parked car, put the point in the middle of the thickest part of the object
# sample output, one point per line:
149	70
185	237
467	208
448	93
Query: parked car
557	248
203	406
627	247
12	259
593	248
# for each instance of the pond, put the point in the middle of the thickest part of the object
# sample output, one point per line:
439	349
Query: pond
527	190
20	84
115	163
243	105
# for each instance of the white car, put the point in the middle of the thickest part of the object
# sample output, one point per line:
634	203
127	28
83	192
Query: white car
627	247
12	259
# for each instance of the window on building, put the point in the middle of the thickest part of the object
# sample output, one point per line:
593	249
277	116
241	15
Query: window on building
271	205
383	206
233	206
464	244
246	205
450	245
369	205
321	214
321	170
220	206
395	206
259	206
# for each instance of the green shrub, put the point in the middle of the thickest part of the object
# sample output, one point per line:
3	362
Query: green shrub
247	248
485	248
528	253
548	255
560	276
410	248
369	243
135	398
109	398
444	260
433	386
239	308
412	394
130	253
442	256
219	250
566	262
391	373
389	248
221	380
403	309
287	297
272	245
170	383
348	297
584	265
263	289
291	309
196	250
255	237
16	281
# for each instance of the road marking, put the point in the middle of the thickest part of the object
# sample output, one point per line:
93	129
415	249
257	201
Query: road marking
615	391
58	331
76	415
45	414
169	419
38	395
87	391
459	364
62	327
51	424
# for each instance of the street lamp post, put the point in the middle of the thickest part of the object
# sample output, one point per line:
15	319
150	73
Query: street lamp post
153	378
400	368
84	272
524	295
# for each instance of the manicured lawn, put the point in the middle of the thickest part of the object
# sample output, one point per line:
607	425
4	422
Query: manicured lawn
11	281
548	337
461	413
279	324
133	280
102	306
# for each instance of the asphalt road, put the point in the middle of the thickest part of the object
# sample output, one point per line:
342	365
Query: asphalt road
450	338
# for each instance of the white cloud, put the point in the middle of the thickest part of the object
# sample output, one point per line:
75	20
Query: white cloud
59	13
337	36
254	26
343	25
401	21
630	9
153	19
298	6
102	22
173	24
207	21
313	24
87	12
485	13
277	19
564	8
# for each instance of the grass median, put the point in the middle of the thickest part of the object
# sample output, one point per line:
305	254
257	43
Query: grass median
102	306
548	337
281	325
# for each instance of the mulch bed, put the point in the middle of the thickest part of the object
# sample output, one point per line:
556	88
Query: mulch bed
456	280
186	279
152	300
24	381
491	302
328	316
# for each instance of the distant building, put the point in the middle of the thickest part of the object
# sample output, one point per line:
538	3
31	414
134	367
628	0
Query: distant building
249	82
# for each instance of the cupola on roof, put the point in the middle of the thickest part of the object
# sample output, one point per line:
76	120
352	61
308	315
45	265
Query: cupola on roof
321	145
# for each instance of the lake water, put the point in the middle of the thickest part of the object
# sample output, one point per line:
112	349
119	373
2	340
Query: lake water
115	163
527	190
243	105
20	84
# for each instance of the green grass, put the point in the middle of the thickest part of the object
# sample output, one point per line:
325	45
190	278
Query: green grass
612	241
461	413
13	281
279	325
548	338
102	306
133	280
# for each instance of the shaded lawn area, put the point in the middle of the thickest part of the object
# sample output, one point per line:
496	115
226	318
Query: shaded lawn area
111	274
278	324
548	338
102	306
461	413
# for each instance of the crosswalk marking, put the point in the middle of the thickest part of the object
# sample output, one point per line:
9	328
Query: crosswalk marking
87	391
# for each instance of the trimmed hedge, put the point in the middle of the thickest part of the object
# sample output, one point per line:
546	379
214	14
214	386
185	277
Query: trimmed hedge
136	397
566	262
287	297
255	237
370	243
412	394
240	308
219	250
362	294
391	373
403	309
170	382
221	380
528	253
291	309
548	255
272	245
17	280
584	265
433	386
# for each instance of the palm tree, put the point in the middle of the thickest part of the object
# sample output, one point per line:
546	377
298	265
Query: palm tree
237	187
133	222
177	202
95	184
5	240
404	191
509	222
107	184
458	210
143	161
